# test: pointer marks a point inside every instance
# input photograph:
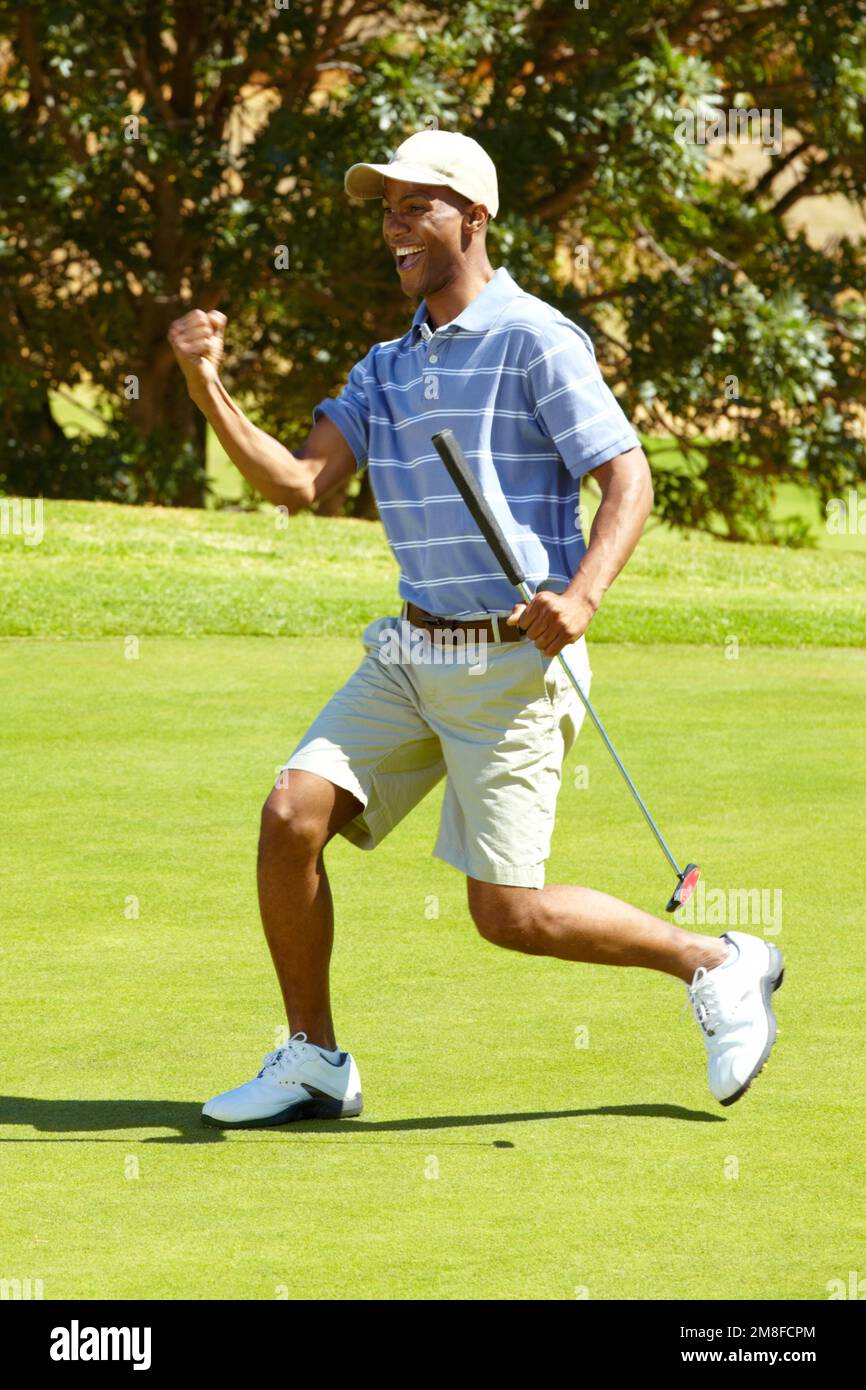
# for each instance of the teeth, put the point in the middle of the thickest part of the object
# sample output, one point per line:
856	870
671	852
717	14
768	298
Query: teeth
408	250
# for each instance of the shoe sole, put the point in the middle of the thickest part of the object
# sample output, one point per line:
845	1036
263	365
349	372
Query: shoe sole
769	984
316	1108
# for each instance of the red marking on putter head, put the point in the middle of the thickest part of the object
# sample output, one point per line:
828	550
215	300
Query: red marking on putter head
689	884
685	887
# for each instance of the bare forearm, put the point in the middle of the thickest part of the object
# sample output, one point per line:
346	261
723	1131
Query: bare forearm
616	530
554	620
268	465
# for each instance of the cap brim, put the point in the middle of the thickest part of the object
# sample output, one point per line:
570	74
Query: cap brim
366	180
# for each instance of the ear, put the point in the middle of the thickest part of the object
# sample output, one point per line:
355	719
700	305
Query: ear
476	216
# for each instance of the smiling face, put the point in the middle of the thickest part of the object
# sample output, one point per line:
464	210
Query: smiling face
428	230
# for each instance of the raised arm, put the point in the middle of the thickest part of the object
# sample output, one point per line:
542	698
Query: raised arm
286	479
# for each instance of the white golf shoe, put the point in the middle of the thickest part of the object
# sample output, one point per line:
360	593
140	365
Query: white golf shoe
732	1004
296	1082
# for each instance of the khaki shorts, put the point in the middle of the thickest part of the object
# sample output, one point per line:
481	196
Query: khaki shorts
499	735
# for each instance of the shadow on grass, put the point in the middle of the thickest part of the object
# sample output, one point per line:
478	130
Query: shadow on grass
81	1118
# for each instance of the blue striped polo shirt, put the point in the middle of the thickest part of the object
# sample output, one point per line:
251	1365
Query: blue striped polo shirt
519	385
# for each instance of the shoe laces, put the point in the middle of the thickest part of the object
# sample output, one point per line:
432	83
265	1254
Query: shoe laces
289	1050
705	1002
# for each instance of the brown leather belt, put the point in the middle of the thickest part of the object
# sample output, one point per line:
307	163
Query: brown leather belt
476	626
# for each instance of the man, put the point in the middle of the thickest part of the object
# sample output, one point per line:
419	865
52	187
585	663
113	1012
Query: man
519	385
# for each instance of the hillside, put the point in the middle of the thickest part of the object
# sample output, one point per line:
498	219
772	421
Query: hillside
106	570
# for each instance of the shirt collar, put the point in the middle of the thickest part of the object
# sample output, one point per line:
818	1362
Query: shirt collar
482	312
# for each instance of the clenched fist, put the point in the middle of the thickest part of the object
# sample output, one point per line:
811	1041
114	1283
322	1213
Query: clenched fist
197	343
553	620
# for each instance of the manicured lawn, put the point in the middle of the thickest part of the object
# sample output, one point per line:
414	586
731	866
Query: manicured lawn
101	570
495	1159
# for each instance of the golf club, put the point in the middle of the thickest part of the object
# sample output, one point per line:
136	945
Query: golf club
467	485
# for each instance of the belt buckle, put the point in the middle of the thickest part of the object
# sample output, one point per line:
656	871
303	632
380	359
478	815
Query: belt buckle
434	621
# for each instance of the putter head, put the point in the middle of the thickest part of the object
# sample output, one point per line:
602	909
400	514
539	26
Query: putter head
686	885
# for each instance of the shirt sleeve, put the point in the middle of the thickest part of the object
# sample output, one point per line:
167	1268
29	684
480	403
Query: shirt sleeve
350	412
573	404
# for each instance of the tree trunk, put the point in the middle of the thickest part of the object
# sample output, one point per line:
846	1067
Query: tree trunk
30	419
27	428
163	407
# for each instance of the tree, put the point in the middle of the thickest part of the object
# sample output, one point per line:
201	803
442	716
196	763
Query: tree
165	153
719	321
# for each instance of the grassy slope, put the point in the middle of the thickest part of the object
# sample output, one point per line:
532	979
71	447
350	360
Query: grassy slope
102	570
557	1168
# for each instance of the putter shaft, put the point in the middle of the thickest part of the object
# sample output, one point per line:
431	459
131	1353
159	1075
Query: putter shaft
527	596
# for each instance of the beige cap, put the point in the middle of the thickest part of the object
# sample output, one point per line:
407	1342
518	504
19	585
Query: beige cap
434	157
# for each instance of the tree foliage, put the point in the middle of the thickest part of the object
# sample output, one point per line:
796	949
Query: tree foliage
718	321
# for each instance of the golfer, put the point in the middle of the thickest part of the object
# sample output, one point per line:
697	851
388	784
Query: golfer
461	683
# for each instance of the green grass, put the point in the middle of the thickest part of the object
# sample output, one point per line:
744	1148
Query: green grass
558	1168
601	1167
103	570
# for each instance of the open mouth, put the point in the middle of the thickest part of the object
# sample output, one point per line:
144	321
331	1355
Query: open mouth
408	256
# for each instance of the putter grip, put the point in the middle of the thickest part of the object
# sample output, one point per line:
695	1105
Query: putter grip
466	484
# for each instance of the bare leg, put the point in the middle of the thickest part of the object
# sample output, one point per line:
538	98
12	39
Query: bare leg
582	924
298	820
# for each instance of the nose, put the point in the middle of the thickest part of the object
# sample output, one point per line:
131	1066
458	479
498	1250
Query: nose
394	224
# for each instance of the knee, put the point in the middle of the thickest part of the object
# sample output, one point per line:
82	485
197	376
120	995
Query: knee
291	826
504	915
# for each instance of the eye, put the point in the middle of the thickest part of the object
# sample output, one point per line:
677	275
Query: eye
411	209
